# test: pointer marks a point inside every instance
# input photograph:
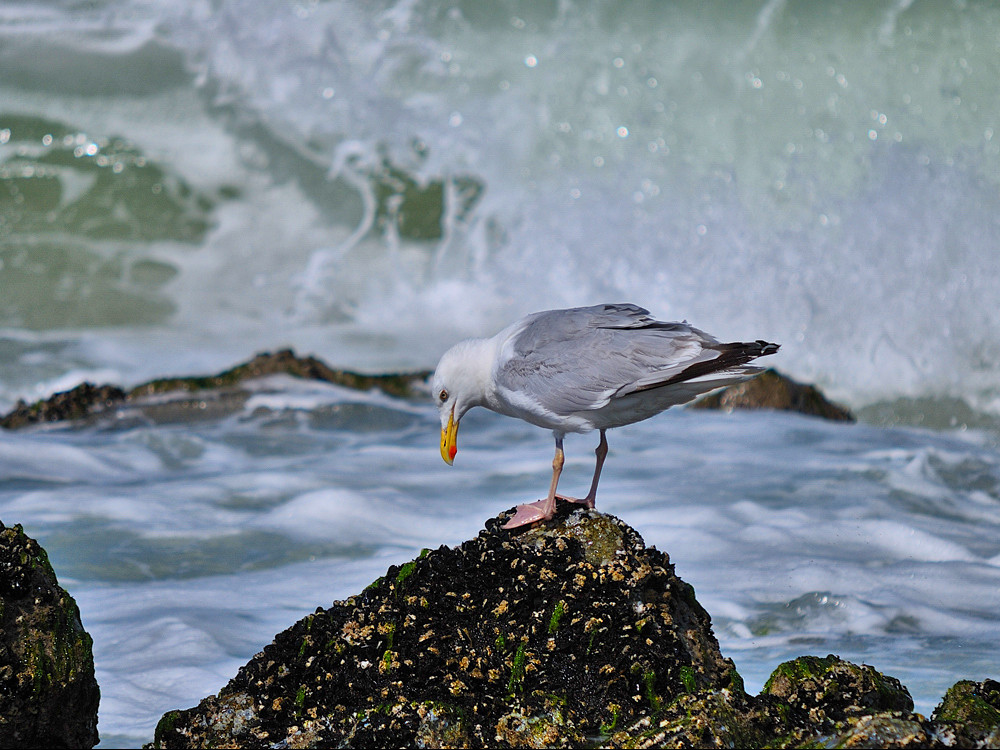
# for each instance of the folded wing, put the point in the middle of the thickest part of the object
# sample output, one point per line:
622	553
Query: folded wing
579	359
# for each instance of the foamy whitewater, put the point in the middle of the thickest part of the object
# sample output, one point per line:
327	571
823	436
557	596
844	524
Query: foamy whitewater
184	184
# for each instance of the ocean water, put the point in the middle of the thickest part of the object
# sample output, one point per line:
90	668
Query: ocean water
183	184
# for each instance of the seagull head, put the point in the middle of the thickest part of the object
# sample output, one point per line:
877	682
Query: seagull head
460	382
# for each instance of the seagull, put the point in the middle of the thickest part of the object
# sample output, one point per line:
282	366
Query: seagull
581	369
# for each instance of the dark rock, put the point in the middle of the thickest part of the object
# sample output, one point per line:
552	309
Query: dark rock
48	693
830	689
84	400
807	702
889	730
216	395
709	718
284	362
772	390
832	698
973	709
541	638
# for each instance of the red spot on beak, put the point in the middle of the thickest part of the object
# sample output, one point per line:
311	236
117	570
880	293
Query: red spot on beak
452	451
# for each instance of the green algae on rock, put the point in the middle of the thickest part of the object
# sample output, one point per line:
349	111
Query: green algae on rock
973	708
830	688
808	702
48	693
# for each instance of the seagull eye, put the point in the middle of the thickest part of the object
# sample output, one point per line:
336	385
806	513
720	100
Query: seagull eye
443	395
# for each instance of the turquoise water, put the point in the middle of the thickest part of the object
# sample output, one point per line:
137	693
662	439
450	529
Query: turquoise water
185	184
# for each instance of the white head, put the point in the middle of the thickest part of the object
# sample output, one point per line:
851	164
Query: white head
460	382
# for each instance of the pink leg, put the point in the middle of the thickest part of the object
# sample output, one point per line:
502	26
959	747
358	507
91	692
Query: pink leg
591	499
541	510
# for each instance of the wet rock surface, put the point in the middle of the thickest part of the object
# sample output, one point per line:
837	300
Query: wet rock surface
772	390
170	399
568	633
48	693
77	403
830	690
973	710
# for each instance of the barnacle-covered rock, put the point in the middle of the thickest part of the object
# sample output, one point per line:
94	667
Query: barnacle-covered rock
540	638
48	692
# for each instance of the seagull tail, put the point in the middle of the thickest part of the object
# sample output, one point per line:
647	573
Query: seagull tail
735	356
732	361
759	348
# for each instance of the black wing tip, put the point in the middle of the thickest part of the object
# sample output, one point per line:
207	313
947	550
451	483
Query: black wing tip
732	356
765	348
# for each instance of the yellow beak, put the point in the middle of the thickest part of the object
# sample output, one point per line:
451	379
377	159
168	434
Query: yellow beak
449	440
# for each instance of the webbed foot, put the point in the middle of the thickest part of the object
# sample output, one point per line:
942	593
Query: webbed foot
529	513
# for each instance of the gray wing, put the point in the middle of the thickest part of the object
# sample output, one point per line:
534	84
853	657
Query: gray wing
579	359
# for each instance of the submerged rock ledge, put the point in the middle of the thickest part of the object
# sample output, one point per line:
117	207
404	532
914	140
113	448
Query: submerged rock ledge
772	390
212	395
186	398
570	633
